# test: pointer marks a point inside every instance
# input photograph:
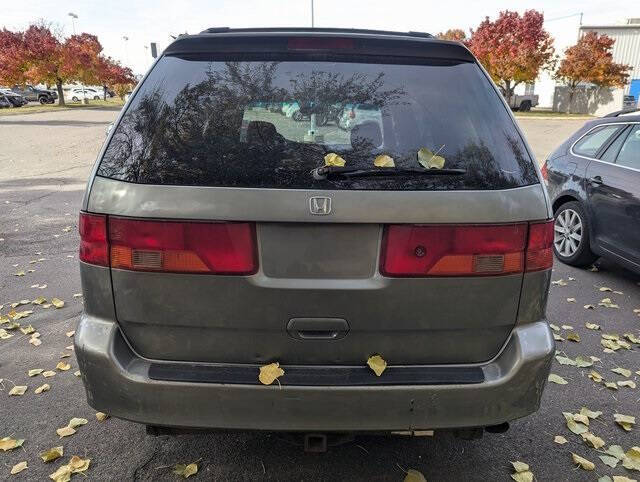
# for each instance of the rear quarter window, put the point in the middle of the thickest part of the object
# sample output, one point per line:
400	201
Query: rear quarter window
255	123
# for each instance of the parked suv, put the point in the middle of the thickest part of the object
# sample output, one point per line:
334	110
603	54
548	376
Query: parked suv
594	183
32	94
218	240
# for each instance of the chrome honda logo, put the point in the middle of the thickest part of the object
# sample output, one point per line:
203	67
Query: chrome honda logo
320	205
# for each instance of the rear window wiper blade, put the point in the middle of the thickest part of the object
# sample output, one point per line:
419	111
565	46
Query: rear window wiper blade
329	172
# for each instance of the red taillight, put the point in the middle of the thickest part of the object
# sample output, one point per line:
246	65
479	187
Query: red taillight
464	250
94	248
544	171
182	246
540	246
317	43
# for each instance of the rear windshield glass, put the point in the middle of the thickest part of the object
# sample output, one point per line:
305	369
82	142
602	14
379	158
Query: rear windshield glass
267	124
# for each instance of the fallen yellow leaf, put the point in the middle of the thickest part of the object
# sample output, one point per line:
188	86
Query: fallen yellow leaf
333	159
18	390
582	462
58	303
19	467
42	388
383	160
63	366
8	443
270	373
52	454
185	470
101	416
65	431
414	475
377	364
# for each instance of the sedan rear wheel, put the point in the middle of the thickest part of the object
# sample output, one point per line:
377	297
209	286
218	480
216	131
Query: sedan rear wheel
571	235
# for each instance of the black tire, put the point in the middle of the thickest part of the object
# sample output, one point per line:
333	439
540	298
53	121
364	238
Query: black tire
96	97
525	106
75	99
43	100
582	256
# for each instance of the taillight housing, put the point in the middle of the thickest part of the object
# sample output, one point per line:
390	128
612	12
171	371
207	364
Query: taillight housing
540	246
544	170
224	248
465	250
94	247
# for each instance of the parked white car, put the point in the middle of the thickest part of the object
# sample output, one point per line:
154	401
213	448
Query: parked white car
78	93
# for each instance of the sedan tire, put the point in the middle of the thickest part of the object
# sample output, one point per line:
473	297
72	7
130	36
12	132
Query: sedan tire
571	243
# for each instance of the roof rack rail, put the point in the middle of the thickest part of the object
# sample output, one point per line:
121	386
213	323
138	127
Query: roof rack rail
316	29
621	112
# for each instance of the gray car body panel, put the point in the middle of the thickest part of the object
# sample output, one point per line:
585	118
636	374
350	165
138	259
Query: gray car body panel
320	268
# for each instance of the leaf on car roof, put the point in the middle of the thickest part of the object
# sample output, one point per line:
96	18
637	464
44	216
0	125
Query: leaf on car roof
377	364
589	413
554	327
571	300
270	373
582	362
76	422
592	326
559	439
58	303
63	366
34	372
414	475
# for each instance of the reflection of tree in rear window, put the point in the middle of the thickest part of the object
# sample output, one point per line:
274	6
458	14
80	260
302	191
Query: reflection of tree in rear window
268	124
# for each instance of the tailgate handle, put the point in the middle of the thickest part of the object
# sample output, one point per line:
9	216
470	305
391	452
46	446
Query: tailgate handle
317	328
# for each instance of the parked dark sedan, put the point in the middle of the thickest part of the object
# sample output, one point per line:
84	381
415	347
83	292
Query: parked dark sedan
594	183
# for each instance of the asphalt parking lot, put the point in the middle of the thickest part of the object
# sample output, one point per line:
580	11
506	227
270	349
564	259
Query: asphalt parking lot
44	162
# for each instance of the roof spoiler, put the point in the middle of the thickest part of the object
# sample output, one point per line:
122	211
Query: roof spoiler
621	112
313	29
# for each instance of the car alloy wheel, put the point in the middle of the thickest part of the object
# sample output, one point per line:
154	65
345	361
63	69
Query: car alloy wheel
567	233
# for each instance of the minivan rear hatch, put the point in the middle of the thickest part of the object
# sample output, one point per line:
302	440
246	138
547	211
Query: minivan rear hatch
316	204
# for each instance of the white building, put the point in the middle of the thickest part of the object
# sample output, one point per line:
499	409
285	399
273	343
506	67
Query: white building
626	50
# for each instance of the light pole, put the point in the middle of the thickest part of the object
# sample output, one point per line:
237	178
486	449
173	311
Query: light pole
312	22
73	24
126	52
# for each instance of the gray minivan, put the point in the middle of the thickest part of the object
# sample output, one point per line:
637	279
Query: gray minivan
219	237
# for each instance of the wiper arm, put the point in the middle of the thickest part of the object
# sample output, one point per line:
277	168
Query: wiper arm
328	172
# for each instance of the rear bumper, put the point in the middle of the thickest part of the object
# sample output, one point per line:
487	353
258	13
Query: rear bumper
117	382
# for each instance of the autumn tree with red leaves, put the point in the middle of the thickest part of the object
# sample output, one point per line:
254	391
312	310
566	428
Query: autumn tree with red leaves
590	60
456	34
11	57
120	78
40	56
513	48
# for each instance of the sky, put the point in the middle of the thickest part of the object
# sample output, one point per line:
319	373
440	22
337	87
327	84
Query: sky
145	21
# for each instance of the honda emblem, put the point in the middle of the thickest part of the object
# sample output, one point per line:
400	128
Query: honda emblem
320	205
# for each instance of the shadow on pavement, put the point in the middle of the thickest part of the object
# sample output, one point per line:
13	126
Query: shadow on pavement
53	123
